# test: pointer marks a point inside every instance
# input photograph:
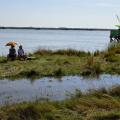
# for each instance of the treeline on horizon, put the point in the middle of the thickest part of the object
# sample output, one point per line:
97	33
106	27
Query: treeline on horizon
53	28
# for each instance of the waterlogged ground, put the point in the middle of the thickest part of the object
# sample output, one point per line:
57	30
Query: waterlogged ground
12	91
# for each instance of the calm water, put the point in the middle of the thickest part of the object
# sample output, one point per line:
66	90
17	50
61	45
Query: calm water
51	88
55	39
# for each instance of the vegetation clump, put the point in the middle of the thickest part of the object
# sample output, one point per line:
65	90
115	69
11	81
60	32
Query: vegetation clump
91	68
30	74
58	72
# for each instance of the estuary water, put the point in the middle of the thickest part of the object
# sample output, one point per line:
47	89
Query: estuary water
54	39
13	91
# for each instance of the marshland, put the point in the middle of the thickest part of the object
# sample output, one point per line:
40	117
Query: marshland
63	63
59	60
62	83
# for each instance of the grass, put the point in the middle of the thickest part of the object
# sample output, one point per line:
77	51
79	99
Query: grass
92	67
96	105
68	52
64	62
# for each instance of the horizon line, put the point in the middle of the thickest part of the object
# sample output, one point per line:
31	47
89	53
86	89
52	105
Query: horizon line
54	28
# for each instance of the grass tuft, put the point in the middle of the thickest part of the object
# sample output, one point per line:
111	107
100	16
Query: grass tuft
91	68
58	72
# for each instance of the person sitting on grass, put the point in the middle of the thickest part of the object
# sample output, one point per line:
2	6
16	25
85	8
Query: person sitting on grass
21	54
12	53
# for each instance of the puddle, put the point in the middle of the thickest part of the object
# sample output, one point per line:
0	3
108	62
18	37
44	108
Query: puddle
51	88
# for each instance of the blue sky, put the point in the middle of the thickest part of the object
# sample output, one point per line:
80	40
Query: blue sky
59	13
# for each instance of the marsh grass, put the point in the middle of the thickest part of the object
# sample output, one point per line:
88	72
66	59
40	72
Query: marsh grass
114	47
97	53
64	62
112	52
30	74
58	72
92	67
3	60
115	91
68	52
100	104
95	105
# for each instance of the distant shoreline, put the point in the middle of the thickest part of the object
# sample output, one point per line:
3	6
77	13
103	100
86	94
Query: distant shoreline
60	28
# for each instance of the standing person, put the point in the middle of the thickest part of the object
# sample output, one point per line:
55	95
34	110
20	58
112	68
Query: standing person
12	53
21	53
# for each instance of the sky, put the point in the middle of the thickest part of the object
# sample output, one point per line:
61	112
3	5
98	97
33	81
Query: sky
60	13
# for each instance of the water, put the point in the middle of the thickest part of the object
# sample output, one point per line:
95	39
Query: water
12	91
51	88
55	39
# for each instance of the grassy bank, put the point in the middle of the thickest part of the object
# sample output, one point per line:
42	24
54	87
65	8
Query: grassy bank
96	105
63	62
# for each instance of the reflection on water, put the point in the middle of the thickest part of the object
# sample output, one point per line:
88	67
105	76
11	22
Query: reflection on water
51	88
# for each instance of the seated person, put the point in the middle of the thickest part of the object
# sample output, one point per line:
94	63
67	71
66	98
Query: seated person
21	54
12	53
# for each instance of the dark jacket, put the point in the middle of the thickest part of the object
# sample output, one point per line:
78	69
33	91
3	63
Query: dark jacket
12	51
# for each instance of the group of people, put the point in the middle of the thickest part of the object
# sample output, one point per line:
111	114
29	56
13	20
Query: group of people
13	54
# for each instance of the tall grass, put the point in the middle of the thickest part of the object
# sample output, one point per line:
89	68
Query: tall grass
64	62
111	52
69	52
114	47
92	67
96	105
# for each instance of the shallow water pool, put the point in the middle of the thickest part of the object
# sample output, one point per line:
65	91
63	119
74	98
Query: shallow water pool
12	91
